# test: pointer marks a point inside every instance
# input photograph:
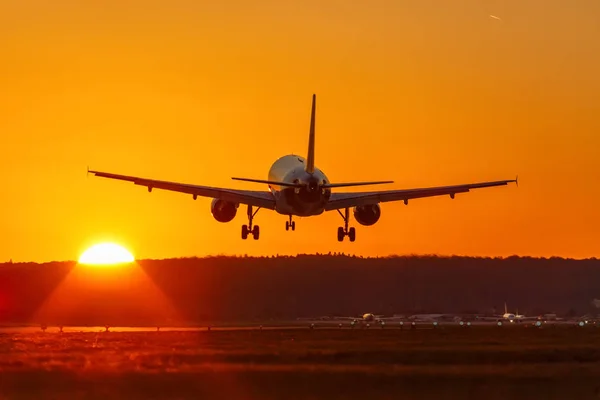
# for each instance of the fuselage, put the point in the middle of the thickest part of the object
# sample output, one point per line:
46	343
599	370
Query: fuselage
303	202
368	317
365	319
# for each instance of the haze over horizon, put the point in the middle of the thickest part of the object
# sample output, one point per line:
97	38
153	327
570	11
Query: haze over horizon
420	92
300	255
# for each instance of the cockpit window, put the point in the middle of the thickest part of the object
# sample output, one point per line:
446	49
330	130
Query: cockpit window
299	159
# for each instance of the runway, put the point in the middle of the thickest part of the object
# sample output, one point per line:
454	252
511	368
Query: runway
295	324
297	362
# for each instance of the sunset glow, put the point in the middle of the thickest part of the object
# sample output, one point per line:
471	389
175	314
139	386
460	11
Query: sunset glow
106	254
419	92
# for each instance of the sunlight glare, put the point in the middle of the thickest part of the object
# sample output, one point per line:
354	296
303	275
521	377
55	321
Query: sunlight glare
106	254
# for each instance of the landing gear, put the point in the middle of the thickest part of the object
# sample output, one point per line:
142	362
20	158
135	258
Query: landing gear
290	224
255	232
248	229
344	231
352	234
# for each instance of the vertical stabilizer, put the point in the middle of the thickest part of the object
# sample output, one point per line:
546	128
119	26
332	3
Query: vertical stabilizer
310	158
505	308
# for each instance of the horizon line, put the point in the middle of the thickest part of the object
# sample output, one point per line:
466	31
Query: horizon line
317	254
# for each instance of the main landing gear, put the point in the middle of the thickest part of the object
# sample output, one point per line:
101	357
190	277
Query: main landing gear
290	224
248	229
344	231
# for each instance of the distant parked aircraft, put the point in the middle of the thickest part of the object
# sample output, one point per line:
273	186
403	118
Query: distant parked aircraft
369	318
508	316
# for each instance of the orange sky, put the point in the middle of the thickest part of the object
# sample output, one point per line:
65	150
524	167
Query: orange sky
421	92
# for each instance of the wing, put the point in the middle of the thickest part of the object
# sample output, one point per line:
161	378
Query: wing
262	199
344	200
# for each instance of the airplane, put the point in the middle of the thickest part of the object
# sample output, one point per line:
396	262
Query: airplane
296	187
508	316
369	318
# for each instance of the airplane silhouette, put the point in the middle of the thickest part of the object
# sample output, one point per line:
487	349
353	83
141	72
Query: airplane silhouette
298	188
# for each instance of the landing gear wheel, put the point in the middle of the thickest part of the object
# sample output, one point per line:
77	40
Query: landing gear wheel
341	234
290	224
244	232
256	232
352	234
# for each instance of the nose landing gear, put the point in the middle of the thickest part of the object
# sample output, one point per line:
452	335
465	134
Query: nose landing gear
290	224
344	231
249	229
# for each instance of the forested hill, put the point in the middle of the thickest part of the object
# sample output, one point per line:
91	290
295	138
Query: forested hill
247	288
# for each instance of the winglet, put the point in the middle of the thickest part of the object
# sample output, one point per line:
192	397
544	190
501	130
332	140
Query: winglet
88	171
310	159
517	180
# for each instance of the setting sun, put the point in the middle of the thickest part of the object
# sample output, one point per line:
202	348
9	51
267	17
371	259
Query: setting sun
106	253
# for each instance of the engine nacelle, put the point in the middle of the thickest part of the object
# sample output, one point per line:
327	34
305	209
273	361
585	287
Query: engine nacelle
367	215
223	211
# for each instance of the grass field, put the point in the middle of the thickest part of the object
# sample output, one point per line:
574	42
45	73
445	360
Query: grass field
482	362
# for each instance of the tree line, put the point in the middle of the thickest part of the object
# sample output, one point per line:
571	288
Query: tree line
223	288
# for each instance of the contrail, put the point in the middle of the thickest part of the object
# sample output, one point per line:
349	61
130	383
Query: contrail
494	17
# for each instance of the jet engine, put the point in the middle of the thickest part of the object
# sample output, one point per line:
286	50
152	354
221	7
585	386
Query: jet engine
223	211
367	215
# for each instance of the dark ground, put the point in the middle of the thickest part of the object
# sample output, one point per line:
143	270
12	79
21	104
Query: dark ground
192	290
448	362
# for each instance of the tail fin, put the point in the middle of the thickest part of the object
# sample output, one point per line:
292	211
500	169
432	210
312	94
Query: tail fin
505	308
310	159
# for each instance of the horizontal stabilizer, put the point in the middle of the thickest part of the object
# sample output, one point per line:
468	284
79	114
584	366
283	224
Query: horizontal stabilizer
267	182
327	185
337	185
